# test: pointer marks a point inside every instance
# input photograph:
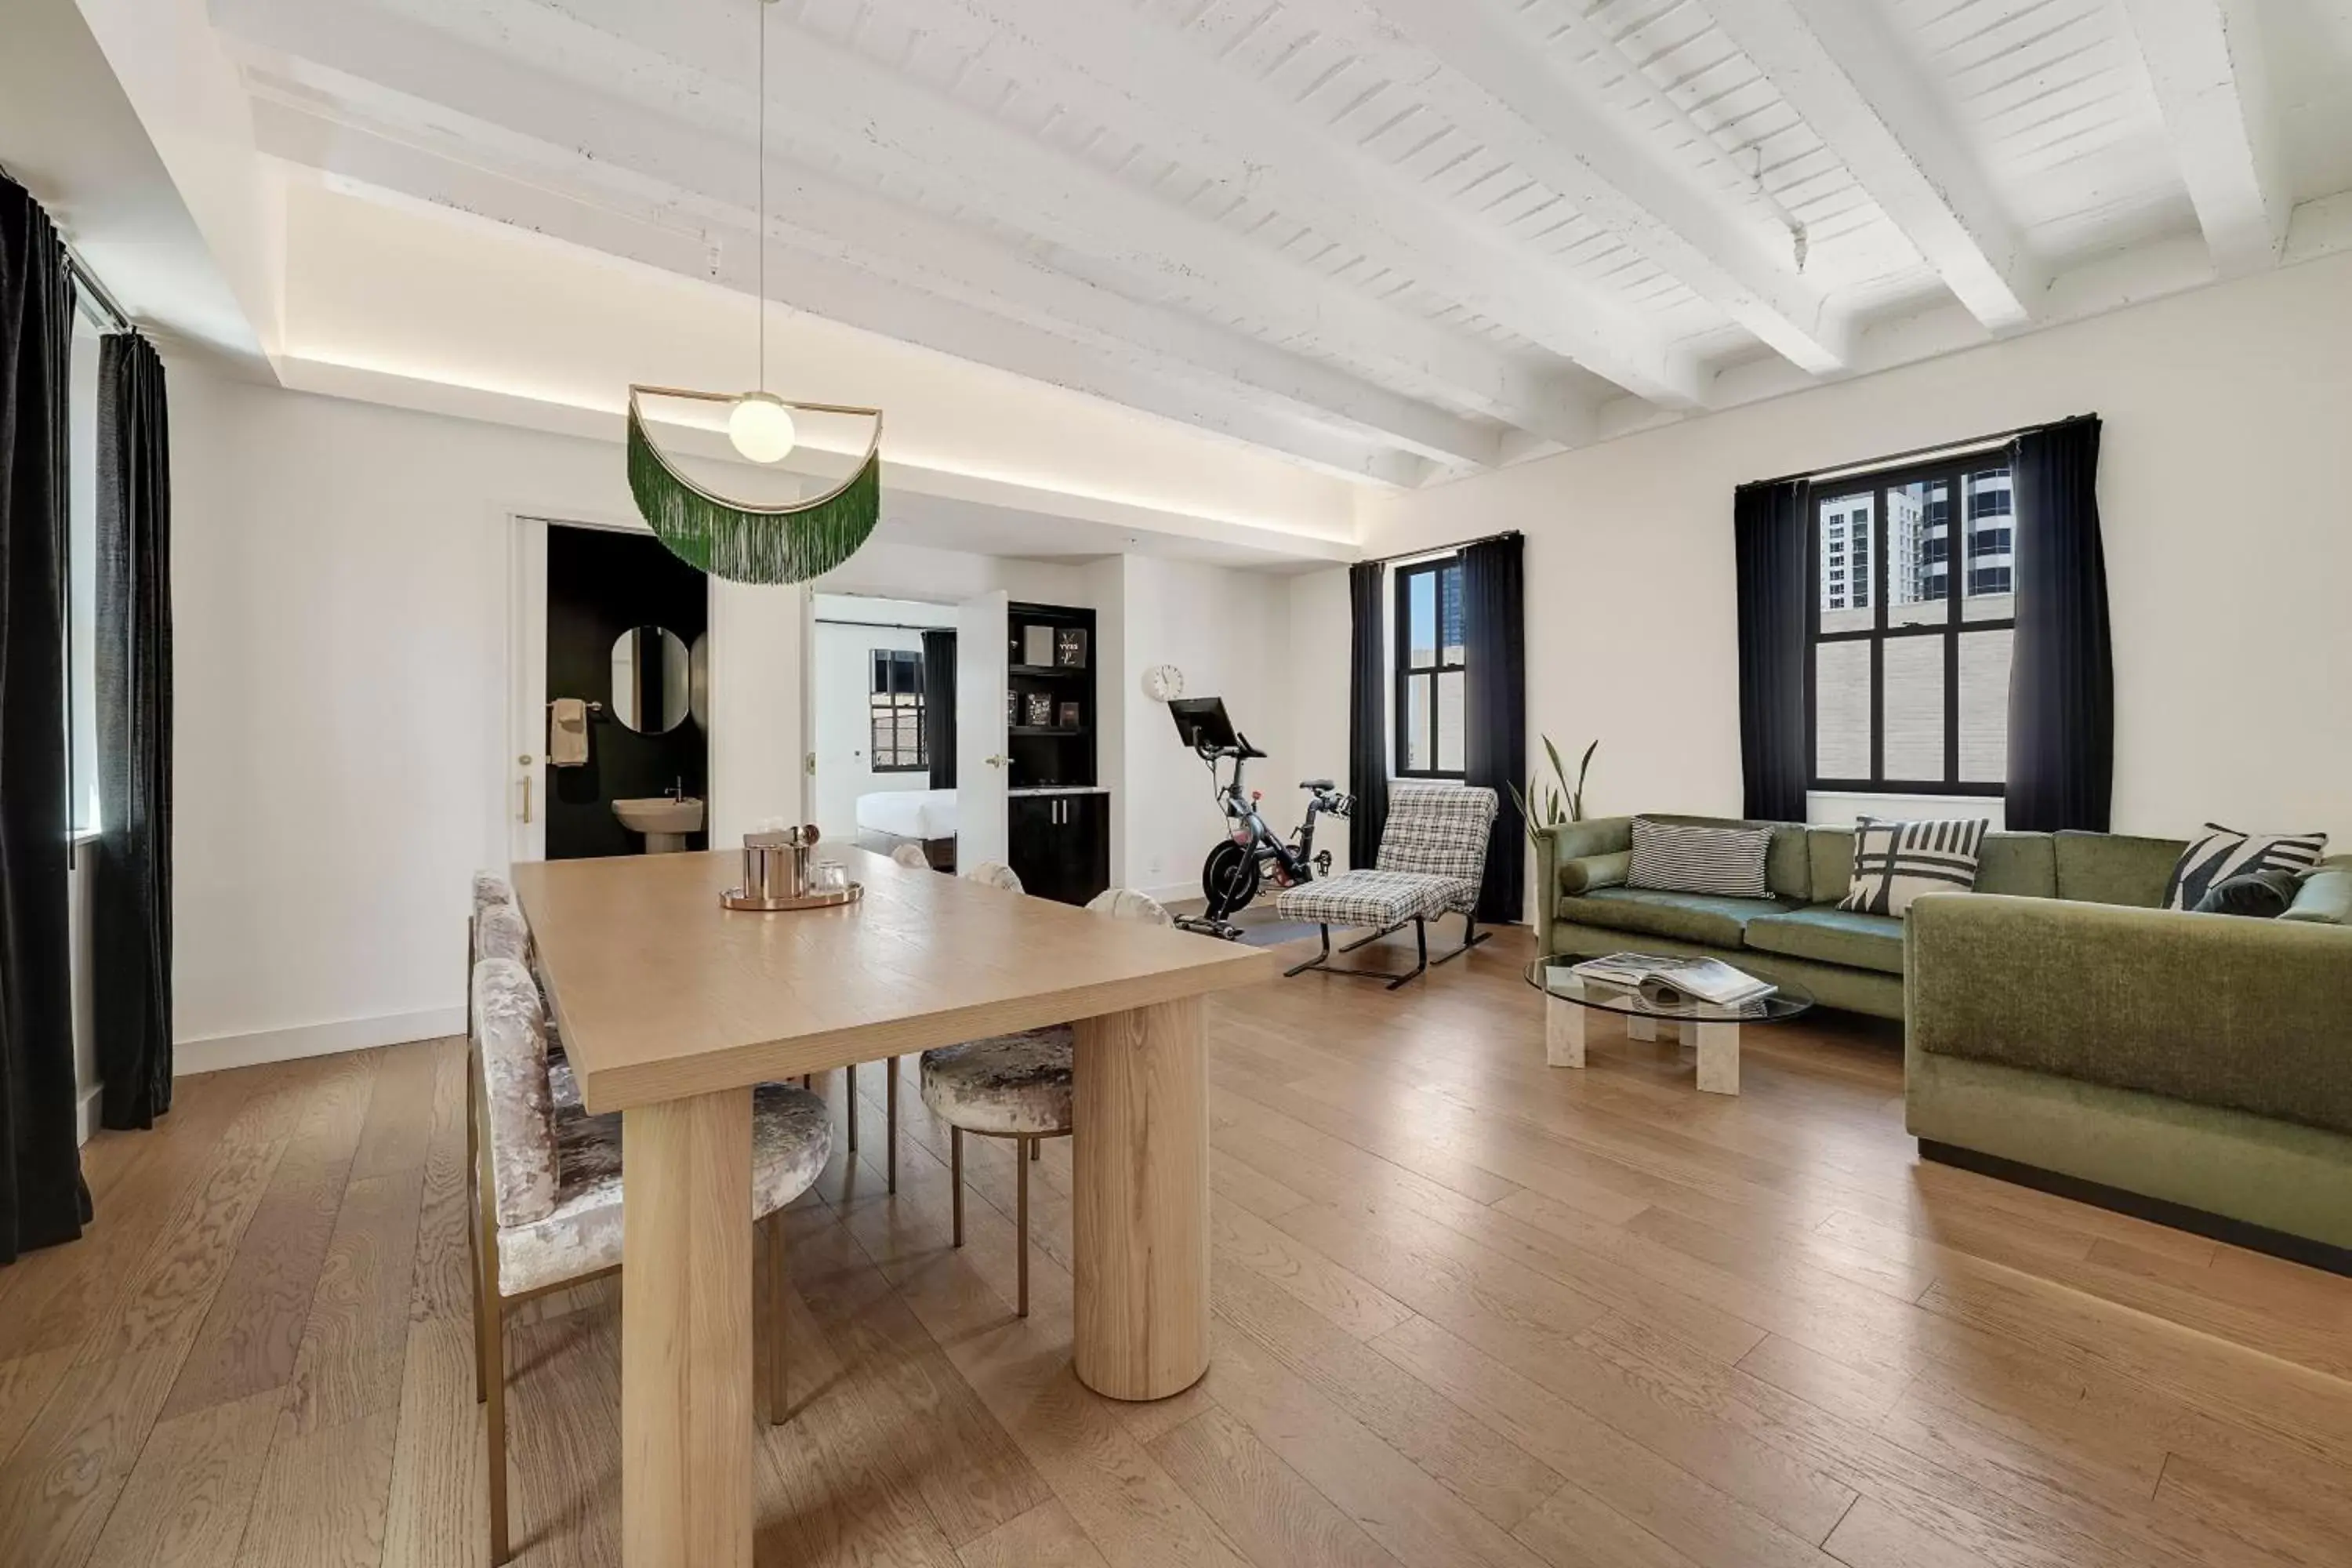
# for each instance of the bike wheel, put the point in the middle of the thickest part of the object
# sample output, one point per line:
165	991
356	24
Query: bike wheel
1229	880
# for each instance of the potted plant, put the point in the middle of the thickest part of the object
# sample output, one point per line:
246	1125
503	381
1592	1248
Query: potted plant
1561	801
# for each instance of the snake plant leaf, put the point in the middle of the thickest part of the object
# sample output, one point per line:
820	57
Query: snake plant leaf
746	543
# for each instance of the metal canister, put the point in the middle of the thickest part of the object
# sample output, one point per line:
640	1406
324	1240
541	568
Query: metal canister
776	863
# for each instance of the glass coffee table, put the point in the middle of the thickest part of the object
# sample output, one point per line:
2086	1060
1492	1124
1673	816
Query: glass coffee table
1570	998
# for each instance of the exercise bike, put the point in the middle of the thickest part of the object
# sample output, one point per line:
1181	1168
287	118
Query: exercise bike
1250	851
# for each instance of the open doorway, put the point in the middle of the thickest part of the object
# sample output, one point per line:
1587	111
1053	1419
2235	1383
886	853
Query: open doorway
882	724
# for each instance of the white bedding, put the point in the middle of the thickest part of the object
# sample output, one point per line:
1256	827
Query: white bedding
910	813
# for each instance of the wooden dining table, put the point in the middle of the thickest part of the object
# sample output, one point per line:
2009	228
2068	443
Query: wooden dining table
671	1007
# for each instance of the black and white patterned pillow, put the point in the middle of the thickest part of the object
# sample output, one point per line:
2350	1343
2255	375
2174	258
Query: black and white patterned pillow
1682	858
2224	852
1895	862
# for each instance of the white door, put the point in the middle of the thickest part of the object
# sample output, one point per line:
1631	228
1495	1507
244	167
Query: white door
523	766
980	761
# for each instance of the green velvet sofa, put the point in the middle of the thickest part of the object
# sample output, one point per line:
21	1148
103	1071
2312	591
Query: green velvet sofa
2061	1027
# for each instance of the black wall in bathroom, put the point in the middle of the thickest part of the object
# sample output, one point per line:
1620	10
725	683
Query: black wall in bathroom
601	584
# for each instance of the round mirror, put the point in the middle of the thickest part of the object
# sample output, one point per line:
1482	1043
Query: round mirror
649	680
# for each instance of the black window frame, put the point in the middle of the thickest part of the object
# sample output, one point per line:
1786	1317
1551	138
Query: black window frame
883	708
1403	668
1959	514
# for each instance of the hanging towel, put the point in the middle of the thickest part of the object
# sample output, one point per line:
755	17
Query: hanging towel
567	733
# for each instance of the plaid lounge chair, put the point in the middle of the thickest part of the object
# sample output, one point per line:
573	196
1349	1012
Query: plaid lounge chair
1433	856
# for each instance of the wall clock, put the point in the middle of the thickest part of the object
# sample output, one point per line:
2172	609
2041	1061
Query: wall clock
1162	682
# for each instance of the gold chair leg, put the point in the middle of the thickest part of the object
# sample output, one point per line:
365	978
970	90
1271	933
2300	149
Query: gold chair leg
849	1087
890	1115
473	1227
1022	1224
1037	1147
955	1177
778	1292
495	1352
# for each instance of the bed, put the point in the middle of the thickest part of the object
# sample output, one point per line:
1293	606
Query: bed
888	818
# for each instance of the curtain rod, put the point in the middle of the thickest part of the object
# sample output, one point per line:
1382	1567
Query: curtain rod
1863	465
1438	549
78	269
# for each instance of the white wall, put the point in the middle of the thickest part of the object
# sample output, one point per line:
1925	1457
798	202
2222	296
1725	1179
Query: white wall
340	603
1227	631
1317	624
2225	487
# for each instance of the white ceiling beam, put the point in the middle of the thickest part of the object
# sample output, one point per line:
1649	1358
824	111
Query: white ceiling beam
1498	86
527	65
837	281
1838	65
1186	106
2204	60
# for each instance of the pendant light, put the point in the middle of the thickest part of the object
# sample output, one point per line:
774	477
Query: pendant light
759	424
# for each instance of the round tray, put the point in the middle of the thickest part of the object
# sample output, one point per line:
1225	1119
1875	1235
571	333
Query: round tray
833	898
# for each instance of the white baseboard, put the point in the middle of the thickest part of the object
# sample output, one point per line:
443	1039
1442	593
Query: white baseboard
1173	893
86	1113
217	1053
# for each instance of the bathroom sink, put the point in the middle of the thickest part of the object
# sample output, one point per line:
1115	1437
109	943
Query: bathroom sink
665	821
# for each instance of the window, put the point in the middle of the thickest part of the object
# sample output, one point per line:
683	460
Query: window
1909	686
1429	653
895	711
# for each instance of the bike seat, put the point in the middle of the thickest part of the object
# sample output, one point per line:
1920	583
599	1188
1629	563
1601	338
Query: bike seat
1314	783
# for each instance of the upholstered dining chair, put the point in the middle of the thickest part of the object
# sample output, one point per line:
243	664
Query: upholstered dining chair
548	1179
911	855
1021	1086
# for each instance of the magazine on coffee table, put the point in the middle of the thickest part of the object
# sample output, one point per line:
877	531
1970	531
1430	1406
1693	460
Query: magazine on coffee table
1666	982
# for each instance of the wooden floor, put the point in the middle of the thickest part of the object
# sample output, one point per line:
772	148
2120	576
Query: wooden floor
1469	1310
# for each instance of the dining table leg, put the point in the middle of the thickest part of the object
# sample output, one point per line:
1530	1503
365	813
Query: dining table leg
686	1333
1140	1184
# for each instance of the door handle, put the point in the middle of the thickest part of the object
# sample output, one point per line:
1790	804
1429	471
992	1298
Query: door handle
996	762
525	761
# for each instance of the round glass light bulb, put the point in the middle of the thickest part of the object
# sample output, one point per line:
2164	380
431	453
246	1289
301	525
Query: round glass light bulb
761	427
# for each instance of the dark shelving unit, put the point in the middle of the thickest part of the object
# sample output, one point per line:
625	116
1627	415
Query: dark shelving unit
1058	843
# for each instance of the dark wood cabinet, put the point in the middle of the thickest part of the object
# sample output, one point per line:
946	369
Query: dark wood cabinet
1060	844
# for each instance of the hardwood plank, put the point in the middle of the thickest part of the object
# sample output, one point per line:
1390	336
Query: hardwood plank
1407	1511
253	1330
1045	1537
435	1507
1262	1505
443	1282
563	1439
323	1497
1706	1524
1874	1536
26	1385
1495	1476
355	1343
1242	1240
167	1297
57	1488
1573	1529
188	1498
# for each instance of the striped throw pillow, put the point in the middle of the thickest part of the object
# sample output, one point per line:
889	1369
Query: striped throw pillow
1680	857
1895	862
2225	853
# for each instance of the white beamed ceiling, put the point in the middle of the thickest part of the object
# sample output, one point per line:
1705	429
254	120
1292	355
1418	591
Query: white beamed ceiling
1393	240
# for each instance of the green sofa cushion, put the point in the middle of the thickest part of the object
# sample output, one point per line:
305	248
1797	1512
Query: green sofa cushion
2021	865
1832	936
1590	871
2111	868
1707	918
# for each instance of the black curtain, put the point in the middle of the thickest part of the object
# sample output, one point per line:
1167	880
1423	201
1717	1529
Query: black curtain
131	903
2062	678
42	1198
1368	692
939	704
1494	704
1769	537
